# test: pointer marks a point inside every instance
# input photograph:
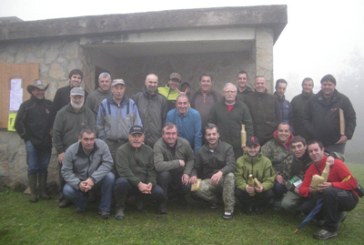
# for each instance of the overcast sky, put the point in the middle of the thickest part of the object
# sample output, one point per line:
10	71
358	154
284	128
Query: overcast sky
319	36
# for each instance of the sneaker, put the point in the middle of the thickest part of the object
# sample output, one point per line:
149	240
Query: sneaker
248	210
213	205
119	215
324	234
64	203
228	215
162	209
104	214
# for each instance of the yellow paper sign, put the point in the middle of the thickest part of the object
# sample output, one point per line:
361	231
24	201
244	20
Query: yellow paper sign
11	121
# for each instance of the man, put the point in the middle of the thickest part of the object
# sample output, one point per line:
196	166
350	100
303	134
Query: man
152	109
62	98
116	115
174	161
205	98
187	120
33	124
103	91
337	192
298	104
263	109
137	176
242	85
229	114
294	168
278	150
284	107
70	120
87	167
322	116
171	90
253	196
215	165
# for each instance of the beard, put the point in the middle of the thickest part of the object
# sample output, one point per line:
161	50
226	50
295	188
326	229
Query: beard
77	106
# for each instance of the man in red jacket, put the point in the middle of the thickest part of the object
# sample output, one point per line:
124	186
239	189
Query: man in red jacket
338	191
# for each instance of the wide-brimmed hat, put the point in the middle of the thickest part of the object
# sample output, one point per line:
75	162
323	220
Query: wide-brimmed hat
37	84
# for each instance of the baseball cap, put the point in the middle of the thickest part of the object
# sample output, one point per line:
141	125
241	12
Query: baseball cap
175	76
136	129
117	81
77	91
253	141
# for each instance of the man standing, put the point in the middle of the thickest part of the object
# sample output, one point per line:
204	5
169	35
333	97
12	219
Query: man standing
298	104
174	161
253	196
187	120
330	117
103	91
205	98
337	192
152	109
263	109
86	167
242	84
70	120
171	90
284	107
137	176
33	124
229	114
215	165
62	95
116	115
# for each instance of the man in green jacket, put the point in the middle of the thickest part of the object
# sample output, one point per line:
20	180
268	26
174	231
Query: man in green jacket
137	176
256	195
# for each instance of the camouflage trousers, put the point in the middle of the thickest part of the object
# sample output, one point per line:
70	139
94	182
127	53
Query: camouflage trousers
210	192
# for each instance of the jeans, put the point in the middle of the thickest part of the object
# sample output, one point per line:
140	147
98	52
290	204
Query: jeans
123	188
37	160
79	198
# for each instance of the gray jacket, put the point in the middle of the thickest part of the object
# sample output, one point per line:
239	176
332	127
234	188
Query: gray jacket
78	166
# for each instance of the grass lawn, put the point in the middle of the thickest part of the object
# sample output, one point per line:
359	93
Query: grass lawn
22	222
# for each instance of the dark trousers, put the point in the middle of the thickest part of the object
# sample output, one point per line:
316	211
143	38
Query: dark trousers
263	199
171	183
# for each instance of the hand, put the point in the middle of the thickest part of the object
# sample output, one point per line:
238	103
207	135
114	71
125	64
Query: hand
297	190
279	179
182	163
324	185
144	188
193	179
90	182
60	158
342	139
259	189
250	189
330	160
83	186
185	179
215	179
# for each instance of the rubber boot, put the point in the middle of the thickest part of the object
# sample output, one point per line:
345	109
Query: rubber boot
42	178
32	179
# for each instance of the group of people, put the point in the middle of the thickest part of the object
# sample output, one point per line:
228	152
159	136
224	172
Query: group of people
164	143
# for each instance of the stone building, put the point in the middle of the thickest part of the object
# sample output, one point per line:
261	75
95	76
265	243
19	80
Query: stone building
219	41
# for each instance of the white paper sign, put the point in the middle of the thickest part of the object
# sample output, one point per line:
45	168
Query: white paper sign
16	94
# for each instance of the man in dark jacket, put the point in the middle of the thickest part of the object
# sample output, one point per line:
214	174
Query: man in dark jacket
137	176
152	109
284	107
229	115
101	92
33	124
330	117
298	104
242	85
263	109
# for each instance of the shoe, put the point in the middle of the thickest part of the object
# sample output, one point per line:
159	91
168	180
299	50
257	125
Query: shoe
140	205
342	217
324	234
80	210
248	210
228	215
119	215
259	210
104	214
64	203
162	209
213	205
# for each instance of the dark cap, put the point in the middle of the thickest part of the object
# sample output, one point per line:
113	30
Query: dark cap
175	76
253	141
136	129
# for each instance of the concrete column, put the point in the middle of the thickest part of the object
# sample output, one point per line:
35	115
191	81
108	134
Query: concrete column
264	55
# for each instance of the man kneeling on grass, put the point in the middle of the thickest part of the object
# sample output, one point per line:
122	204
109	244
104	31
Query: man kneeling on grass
254	178
337	192
215	165
87	167
135	166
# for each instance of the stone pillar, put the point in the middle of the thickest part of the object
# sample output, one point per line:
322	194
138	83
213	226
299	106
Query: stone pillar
264	55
